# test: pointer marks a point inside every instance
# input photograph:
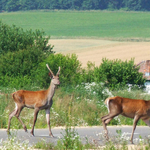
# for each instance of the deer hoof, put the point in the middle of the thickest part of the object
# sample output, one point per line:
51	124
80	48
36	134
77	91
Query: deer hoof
131	142
25	128
32	134
51	135
8	132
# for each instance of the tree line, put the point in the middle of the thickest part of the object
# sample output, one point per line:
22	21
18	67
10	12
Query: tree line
128	5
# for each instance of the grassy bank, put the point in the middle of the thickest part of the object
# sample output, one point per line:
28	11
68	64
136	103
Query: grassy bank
84	105
72	106
102	24
79	106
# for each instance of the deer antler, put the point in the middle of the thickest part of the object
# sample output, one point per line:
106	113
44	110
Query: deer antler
58	71
49	69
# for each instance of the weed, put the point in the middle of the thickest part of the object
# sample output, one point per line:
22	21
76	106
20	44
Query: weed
71	139
44	145
14	144
85	102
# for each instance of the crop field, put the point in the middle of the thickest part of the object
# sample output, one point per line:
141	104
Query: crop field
94	50
92	35
104	24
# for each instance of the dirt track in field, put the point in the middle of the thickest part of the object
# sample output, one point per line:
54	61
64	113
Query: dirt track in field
94	50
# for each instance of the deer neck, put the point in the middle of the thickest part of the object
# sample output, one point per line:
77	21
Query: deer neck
51	91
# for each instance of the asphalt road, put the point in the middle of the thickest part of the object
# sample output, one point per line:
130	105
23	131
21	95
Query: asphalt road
93	134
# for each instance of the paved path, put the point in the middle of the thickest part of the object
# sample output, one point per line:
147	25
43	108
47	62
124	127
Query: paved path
93	134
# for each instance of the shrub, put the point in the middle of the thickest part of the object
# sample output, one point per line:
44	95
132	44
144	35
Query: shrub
20	54
22	62
117	73
15	39
16	68
70	69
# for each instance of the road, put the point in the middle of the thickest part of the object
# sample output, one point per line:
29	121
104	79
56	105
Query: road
93	134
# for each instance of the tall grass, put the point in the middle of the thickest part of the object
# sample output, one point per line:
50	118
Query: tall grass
104	24
5	98
85	103
73	106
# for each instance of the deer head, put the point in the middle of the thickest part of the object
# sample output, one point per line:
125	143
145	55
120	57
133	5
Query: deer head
54	79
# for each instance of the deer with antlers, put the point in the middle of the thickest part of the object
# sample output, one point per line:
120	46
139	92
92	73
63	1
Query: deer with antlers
131	108
36	100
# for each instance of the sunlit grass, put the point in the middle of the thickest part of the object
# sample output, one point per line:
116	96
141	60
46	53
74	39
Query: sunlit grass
83	109
85	103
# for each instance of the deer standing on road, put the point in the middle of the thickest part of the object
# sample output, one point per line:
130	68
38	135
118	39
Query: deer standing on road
131	108
36	100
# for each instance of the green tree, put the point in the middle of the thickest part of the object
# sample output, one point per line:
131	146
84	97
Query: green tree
12	5
54	4
87	5
117	73
76	4
21	52
115	4
145	5
133	4
15	39
70	73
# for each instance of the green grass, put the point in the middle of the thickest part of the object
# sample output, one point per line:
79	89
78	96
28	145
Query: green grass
85	107
102	24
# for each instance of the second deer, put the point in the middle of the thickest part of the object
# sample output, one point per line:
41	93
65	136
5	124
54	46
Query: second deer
131	108
36	100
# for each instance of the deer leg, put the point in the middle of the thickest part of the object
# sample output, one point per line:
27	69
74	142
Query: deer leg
34	121
136	119
105	120
48	121
104	124
13	113
17	116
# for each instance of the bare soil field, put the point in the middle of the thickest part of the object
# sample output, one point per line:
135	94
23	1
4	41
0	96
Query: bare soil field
95	49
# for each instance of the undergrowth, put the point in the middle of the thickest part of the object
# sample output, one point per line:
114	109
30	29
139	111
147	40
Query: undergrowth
87	107
79	106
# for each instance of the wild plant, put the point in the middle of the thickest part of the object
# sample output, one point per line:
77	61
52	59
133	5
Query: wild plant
70	139
12	143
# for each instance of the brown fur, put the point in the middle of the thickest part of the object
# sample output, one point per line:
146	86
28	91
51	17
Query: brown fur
36	100
131	108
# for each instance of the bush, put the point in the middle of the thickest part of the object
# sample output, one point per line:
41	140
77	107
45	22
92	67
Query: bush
117	73
16	68
114	73
22	62
70	69
15	39
17	82
20	54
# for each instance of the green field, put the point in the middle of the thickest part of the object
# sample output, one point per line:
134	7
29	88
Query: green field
103	24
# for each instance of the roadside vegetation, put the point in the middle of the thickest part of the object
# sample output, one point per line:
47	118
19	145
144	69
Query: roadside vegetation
78	101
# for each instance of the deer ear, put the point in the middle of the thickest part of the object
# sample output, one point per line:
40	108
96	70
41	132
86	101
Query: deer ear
51	76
